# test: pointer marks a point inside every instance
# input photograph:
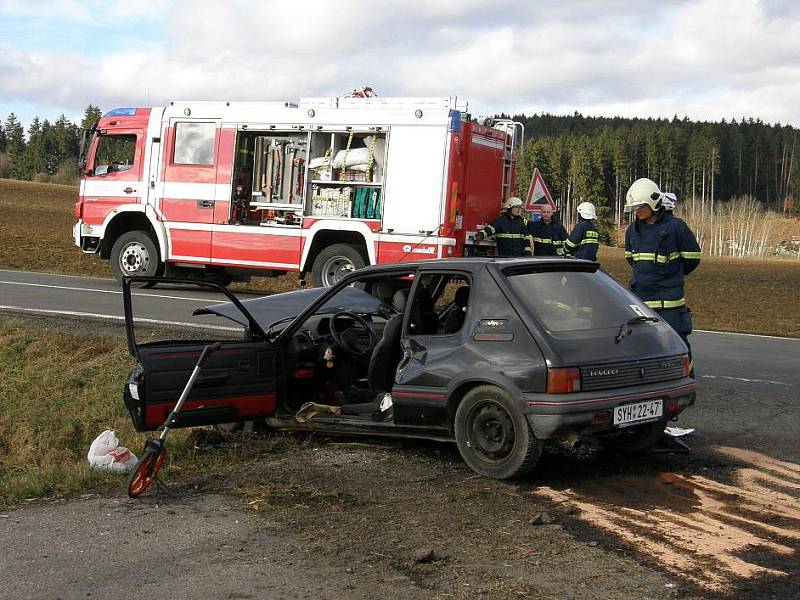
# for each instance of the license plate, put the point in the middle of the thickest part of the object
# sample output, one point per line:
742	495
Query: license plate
629	414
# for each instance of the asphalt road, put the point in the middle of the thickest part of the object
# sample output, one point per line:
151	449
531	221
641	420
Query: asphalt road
752	364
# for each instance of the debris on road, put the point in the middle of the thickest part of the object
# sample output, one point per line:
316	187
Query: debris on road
105	454
678	431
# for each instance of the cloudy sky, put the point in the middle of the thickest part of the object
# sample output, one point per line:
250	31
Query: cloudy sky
708	59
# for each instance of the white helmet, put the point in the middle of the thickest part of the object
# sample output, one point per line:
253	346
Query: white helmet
670	200
643	191
587	210
512	202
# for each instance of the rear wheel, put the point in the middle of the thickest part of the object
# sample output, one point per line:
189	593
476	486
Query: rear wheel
134	254
334	263
637	438
493	437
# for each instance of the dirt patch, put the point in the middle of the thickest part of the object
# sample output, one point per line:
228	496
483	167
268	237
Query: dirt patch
725	527
410	512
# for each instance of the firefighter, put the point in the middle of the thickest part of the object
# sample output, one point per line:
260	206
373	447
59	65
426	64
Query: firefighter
661	250
510	229
548	234
584	240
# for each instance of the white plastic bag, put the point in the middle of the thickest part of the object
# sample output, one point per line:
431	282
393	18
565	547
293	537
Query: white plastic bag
105	454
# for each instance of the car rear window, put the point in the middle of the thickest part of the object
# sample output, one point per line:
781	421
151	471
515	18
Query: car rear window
574	300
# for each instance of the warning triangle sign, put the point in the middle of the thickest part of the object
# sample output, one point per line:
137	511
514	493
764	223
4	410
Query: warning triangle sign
538	194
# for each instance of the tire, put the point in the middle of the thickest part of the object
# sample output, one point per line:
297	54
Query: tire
335	262
145	471
135	254
493	436
637	438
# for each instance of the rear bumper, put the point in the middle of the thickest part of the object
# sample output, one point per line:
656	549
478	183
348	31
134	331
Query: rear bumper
590	413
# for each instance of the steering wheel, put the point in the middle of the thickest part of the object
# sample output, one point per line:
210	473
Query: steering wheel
352	339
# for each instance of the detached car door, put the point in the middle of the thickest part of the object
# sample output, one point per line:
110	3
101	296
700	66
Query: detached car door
238	381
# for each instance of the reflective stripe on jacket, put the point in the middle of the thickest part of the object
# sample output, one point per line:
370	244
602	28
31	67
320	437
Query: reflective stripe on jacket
547	238
583	241
511	235
660	254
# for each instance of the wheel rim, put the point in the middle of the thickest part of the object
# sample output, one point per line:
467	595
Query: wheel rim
134	259
491	432
335	268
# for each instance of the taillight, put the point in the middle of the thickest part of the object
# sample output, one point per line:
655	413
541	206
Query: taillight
563	381
685	363
77	210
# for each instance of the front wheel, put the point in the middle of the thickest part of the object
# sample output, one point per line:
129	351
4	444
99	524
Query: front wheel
493	437
134	254
334	263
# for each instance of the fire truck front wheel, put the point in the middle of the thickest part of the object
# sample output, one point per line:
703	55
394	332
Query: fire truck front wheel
334	262
134	253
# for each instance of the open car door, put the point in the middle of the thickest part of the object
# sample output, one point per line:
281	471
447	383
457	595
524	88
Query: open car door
166	335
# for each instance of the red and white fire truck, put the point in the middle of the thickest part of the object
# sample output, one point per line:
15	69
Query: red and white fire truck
325	185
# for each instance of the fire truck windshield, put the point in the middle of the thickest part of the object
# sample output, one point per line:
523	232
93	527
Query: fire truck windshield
114	153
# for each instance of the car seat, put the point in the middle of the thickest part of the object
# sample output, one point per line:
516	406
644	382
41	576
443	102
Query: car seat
382	366
386	355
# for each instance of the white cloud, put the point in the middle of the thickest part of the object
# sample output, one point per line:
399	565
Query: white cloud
710	59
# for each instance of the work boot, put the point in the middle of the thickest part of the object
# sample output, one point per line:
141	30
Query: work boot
309	410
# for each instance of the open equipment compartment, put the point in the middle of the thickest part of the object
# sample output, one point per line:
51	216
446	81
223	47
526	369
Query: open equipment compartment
270	175
346	174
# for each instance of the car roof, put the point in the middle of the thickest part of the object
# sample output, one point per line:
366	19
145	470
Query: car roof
474	263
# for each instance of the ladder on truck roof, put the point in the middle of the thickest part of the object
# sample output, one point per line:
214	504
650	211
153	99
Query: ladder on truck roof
515	140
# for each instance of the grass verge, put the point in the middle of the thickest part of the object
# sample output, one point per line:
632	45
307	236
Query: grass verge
59	390
57	393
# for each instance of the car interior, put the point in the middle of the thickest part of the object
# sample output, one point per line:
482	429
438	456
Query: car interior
349	358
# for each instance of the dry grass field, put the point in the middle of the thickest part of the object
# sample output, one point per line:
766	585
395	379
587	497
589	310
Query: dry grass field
728	294
755	296
37	230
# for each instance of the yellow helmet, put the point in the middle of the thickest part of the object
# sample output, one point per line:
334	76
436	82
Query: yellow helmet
643	191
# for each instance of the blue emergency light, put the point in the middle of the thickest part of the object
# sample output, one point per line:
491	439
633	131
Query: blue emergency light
121	112
455	121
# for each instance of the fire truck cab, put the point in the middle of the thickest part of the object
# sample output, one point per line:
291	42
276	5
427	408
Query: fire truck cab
222	190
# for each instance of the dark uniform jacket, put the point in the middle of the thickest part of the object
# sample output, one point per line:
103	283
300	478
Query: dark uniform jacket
511	234
547	238
660	254
583	241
